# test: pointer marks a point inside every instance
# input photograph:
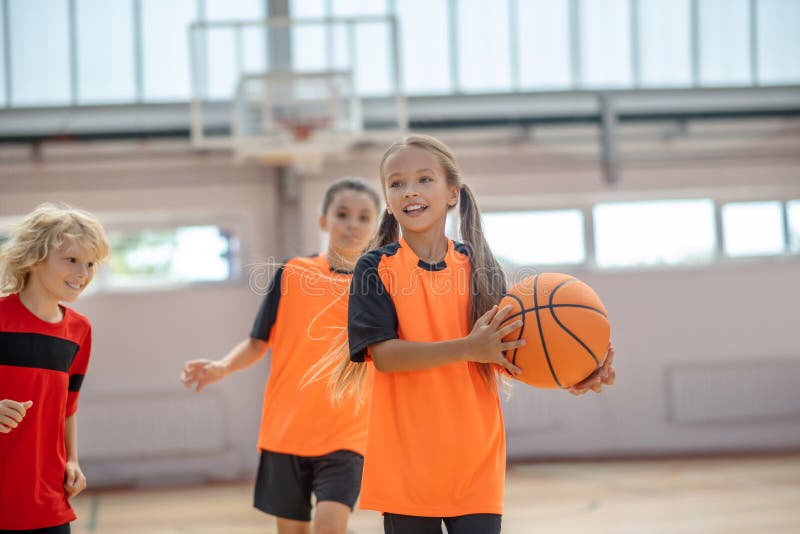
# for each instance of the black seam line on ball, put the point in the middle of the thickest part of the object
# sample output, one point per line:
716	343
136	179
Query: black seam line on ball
545	307
521	328
567	330
541	331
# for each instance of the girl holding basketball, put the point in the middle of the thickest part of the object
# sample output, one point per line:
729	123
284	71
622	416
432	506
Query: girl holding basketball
307	445
424	310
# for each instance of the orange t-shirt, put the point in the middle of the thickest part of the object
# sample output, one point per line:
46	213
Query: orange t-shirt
303	315
436	441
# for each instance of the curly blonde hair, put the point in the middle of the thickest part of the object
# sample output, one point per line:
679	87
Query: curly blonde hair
45	229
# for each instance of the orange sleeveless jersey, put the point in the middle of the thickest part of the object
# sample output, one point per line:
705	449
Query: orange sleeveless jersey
436	441
302	316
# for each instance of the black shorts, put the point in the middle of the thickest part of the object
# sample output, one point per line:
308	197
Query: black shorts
462	524
285	482
60	529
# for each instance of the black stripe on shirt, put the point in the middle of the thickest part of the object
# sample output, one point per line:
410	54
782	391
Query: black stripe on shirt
268	313
25	349
75	382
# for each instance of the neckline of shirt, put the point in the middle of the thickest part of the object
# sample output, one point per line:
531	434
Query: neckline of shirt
33	316
438	266
333	269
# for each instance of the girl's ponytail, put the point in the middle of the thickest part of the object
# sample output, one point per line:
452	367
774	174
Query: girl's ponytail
487	280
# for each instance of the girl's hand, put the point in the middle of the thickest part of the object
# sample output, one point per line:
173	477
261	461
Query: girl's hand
74	481
604	375
486	343
12	413
200	373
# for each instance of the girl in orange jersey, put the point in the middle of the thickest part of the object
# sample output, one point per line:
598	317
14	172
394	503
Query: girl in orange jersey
424	309
307	445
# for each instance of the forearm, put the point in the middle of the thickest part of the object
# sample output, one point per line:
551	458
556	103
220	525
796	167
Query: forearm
71	438
244	355
396	355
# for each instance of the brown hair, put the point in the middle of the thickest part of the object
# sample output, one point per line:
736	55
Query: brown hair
487	281
350	184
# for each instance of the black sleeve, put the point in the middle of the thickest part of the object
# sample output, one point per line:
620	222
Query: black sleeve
269	309
371	315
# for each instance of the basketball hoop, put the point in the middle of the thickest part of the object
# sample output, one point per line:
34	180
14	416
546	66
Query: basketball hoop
302	128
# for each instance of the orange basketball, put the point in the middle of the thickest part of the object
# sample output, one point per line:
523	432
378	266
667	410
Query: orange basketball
565	327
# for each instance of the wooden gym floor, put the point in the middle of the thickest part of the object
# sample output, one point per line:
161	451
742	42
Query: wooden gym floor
728	495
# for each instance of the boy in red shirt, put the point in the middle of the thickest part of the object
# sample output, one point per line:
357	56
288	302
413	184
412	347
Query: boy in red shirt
44	352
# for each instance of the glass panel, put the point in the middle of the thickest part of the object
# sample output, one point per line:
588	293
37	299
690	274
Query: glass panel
544	47
662	232
354	8
753	228
307	8
551	237
40	62
605	43
372	74
778	41
3	95
165	27
483	46
309	49
424	28
724	42
106	71
661	23
223	44
178	255
793	214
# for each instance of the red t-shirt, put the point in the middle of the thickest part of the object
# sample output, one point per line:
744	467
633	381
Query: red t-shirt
43	362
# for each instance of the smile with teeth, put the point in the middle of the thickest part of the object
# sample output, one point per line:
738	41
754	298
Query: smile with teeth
75	286
415	209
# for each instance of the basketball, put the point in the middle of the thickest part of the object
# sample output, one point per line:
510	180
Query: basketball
565	326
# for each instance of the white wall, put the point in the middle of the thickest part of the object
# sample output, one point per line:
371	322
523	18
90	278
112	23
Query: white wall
707	357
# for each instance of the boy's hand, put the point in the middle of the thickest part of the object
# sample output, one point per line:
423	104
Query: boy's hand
74	481
11	414
604	375
200	373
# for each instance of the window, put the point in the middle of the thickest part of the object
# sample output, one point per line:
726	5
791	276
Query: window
185	254
104	36
483	46
778	41
544	46
793	217
165	48
662	64
3	95
724	42
553	237
223	45
39	37
753	228
661	232
605	43
425	46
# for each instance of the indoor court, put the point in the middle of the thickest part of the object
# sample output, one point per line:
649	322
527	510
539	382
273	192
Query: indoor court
648	148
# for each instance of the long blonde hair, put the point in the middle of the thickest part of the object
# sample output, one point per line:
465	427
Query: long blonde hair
43	230
487	281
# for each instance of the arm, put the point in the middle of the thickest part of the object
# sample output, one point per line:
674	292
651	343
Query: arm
74	481
200	373
484	344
